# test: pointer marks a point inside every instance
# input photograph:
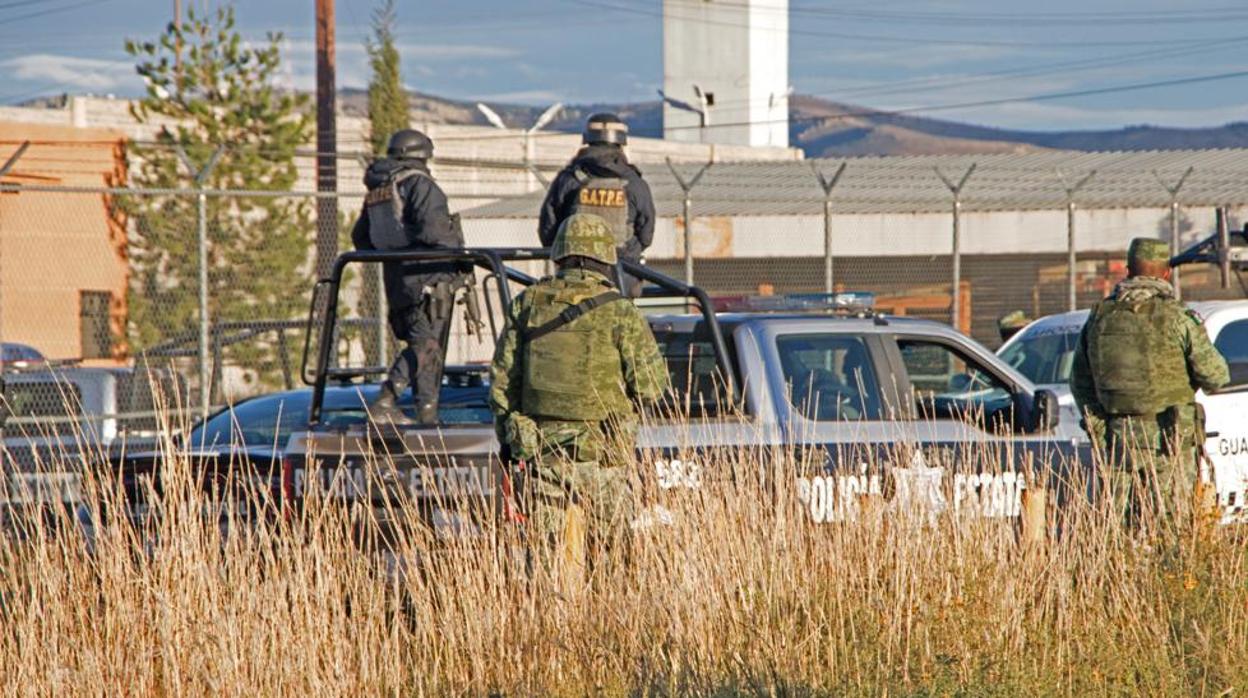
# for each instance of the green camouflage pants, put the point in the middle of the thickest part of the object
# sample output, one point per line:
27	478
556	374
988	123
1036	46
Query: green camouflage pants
578	477
1151	467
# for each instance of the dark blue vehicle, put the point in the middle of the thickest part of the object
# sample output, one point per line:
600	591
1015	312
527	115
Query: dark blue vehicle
248	439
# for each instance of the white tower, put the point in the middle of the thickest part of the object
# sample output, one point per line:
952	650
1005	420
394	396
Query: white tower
726	71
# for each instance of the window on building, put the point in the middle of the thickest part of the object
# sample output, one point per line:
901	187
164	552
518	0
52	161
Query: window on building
95	324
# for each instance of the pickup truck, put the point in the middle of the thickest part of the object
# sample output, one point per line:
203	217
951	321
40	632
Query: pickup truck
889	407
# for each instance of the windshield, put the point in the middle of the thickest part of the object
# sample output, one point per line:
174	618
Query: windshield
269	421
1044	355
256	423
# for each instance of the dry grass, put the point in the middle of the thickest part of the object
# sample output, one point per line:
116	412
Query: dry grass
739	596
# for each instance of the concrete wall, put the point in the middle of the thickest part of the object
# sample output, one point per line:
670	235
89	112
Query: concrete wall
474	164
736	51
999	232
55	246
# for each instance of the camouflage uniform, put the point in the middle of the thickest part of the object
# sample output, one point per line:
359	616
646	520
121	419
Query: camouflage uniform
565	402
1137	366
1011	323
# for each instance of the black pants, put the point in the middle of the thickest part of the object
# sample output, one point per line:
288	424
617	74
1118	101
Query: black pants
420	362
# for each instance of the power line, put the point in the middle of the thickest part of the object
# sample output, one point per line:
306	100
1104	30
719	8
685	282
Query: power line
890	38
41	13
1065	67
985	103
1220	15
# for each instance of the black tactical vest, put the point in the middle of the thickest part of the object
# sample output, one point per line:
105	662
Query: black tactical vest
606	197
385	213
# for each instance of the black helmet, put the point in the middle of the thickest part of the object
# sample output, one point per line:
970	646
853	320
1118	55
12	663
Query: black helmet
409	144
605	128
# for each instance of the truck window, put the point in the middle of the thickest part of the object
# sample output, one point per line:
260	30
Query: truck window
696	380
948	385
1044	356
51	400
1233	343
829	377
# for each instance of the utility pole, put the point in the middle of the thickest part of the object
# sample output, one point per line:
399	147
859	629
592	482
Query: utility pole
177	49
326	140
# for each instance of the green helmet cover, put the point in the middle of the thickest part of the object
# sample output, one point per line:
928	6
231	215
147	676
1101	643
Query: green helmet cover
584	235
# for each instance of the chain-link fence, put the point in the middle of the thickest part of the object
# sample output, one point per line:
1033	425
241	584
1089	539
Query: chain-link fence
214	287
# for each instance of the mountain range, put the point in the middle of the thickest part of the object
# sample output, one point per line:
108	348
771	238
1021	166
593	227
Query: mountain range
823	128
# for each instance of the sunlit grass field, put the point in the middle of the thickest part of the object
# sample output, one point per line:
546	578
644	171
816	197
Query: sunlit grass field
741	594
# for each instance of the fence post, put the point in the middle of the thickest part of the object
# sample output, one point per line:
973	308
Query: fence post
827	185
687	187
1071	250
1174	223
1224	247
200	176
955	308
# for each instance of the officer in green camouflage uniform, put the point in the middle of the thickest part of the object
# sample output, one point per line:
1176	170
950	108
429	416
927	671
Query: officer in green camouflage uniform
1011	324
573	361
1137	366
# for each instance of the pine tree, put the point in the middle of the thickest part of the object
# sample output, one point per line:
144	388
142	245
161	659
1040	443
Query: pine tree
387	101
258	251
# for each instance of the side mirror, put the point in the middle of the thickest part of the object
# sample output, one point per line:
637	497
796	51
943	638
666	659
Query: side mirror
1046	412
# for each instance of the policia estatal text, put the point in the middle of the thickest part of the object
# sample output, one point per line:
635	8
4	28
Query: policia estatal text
405	209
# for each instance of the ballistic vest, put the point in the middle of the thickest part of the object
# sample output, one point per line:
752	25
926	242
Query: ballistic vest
606	197
385	213
1138	367
573	373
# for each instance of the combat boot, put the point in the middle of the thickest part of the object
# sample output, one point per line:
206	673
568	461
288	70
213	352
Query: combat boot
385	409
427	413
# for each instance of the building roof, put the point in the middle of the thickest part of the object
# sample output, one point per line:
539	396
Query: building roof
910	184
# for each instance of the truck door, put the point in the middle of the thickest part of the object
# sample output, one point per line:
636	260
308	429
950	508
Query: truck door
1225	413
954	396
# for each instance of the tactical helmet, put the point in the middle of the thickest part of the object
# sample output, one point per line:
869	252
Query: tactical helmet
409	144
605	128
1143	250
584	235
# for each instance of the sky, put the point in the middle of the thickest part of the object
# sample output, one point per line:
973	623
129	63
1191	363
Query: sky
920	55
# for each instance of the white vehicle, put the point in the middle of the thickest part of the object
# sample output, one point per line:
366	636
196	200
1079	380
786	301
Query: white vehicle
1044	352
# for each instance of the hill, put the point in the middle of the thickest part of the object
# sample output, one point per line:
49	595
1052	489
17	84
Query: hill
852	130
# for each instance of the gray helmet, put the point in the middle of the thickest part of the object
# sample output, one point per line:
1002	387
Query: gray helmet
605	128
584	235
409	144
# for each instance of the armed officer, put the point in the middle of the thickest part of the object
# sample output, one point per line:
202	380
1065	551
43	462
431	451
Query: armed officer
1138	363
406	210
570	368
601	181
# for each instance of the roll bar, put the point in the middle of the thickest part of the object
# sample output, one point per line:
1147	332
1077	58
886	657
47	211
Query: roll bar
493	261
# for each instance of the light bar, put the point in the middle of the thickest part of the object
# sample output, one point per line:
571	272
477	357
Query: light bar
850	301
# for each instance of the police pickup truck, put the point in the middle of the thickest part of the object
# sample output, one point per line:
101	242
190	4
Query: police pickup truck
900	409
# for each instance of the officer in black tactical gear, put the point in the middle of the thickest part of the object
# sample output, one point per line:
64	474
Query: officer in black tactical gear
600	180
405	209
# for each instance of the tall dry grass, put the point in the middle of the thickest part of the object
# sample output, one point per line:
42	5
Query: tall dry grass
739	595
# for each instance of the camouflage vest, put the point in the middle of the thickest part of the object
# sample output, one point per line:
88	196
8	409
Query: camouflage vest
385	213
1138	366
573	373
606	197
